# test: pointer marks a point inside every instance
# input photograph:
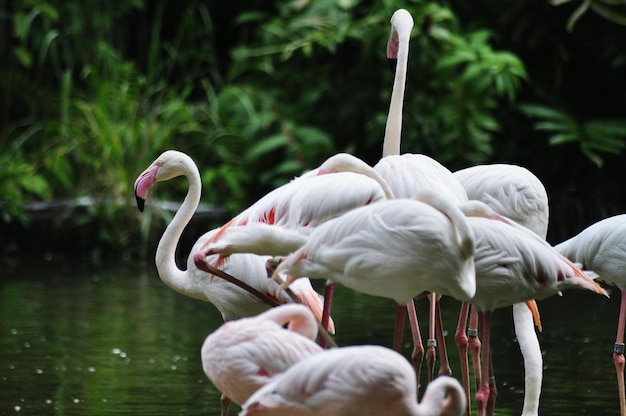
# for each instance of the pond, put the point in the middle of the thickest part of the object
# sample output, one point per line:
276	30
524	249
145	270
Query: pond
80	339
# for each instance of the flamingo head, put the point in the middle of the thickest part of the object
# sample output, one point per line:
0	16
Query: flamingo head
167	166
401	25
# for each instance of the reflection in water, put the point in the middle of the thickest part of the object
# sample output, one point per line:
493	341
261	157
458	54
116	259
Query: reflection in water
78	339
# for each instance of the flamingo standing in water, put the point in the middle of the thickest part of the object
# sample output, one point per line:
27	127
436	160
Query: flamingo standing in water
516	193
407	174
341	183
232	301
360	380
513	265
242	355
396	249
601	247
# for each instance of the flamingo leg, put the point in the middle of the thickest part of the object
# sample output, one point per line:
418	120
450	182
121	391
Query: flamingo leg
224	405
482	394
399	327
444	366
418	348
460	338
493	391
474	345
618	355
431	343
328	303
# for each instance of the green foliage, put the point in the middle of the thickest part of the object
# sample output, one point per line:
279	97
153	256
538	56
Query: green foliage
611	10
594	137
258	93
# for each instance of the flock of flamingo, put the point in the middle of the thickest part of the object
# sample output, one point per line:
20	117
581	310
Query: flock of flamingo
405	227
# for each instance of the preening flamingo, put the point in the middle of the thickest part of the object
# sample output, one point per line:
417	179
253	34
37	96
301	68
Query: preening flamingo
513	265
396	249
242	355
601	247
408	174
514	192
232	301
359	380
341	183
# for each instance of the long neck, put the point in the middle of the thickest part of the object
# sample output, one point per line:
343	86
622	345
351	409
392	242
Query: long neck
393	128
169	272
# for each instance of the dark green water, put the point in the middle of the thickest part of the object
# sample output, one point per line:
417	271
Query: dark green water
78	339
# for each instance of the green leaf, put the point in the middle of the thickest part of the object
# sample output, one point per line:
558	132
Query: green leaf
609	13
267	145
23	56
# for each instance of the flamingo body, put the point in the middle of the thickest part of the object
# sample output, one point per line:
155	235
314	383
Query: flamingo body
396	249
359	380
242	355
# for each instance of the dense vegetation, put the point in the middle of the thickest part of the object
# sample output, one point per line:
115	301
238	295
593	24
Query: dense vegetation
258	91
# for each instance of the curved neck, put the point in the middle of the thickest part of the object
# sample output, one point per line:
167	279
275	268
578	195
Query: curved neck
393	128
165	258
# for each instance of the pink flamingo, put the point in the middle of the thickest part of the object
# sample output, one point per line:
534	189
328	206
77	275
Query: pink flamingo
407	174
601	247
514	192
360	380
231	300
341	183
242	355
396	249
513	265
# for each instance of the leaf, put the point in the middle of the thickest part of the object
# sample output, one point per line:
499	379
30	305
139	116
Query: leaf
609	13
35	184
578	13
266	146
23	56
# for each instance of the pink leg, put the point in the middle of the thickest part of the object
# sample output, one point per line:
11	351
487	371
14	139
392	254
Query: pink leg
224	405
460	338
328	303
399	328
444	366
474	345
493	391
418	348
482	394
431	343
618	355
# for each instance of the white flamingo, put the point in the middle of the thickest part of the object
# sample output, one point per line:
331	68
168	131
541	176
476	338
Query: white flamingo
407	174
513	265
397	249
601	247
242	355
233	302
360	380
341	183
516	193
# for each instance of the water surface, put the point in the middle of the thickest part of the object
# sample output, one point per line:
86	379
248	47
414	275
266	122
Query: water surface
79	339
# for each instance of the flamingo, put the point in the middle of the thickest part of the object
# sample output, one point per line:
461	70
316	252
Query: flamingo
338	185
396	249
233	302
242	355
408	174
601	247
514	192
513	265
364	380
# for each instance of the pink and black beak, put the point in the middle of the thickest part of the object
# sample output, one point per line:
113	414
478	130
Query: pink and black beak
144	182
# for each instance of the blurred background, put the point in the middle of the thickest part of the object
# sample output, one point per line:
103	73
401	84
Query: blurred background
256	92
